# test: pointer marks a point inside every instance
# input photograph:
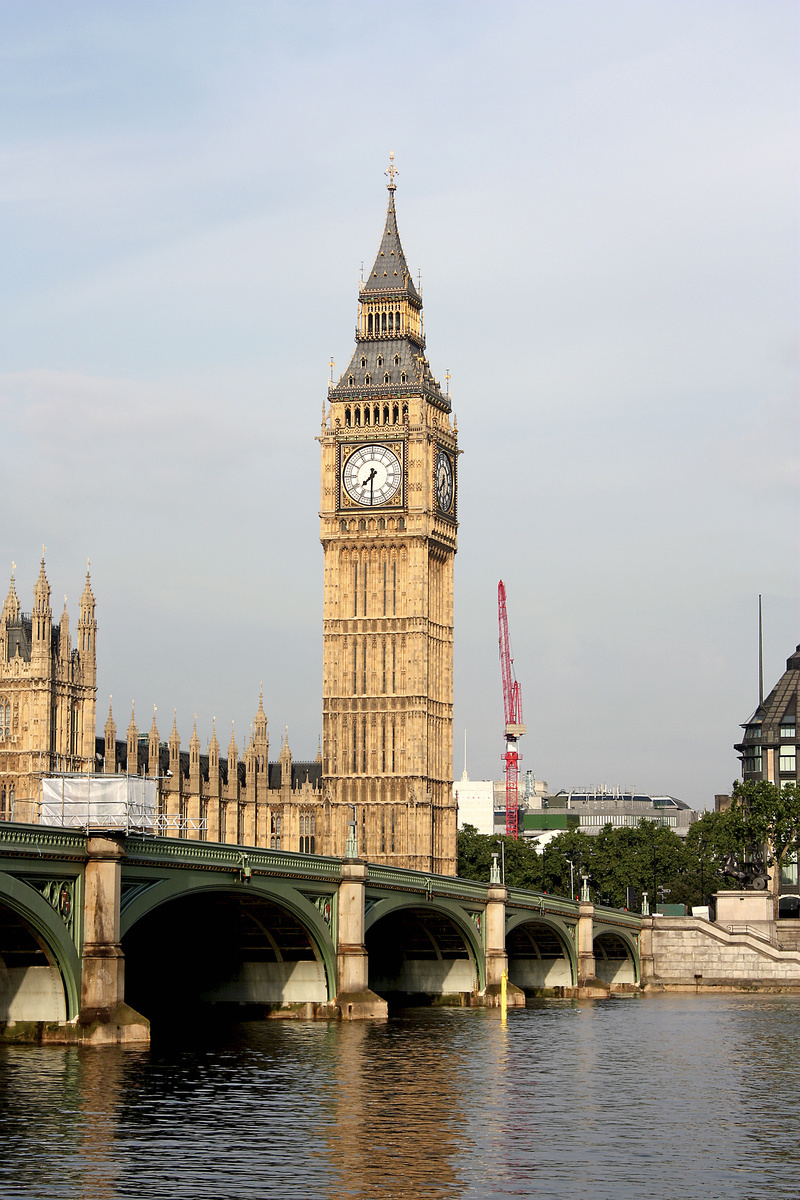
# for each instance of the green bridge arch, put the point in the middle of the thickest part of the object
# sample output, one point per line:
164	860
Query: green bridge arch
628	938
556	925
282	894
447	908
28	904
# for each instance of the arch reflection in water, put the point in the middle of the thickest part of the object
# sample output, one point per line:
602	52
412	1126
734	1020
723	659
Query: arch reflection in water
399	1121
221	949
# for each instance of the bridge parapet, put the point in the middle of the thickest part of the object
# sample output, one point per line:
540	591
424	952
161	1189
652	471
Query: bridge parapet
225	856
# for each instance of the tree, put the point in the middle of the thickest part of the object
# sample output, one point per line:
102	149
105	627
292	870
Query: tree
522	863
708	843
768	815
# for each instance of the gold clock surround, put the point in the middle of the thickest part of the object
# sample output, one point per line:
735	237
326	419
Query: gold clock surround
347	449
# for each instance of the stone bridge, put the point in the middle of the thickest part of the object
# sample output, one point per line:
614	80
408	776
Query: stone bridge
97	929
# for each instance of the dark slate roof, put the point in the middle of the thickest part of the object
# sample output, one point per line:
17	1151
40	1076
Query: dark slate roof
412	363
20	635
389	278
781	702
390	273
301	771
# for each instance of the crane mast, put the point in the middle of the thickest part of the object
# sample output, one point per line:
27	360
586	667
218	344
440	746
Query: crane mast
512	707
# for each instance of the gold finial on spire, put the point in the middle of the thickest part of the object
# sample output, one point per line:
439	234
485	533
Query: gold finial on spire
391	172
447	377
332	365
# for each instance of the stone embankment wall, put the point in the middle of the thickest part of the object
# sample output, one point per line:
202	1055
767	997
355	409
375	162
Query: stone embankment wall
685	952
788	934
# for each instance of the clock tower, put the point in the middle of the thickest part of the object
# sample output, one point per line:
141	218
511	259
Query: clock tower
388	531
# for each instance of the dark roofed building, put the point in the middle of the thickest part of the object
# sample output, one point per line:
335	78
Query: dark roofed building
768	749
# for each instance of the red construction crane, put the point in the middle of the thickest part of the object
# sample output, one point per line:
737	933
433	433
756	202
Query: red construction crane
512	705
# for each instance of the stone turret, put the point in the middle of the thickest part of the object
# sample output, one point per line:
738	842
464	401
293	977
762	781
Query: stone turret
133	745
232	790
87	635
194	761
285	761
152	748
175	756
42	631
110	757
261	735
213	763
64	644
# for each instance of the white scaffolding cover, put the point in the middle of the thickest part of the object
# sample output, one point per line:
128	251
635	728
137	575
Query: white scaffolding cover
99	801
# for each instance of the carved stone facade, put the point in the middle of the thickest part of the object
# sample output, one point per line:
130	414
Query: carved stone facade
47	695
388	530
246	801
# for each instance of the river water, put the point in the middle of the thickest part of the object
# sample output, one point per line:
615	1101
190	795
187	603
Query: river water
668	1097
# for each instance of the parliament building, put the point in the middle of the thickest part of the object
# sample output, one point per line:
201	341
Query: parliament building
388	524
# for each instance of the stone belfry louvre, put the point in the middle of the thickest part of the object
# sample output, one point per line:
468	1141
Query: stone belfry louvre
388	531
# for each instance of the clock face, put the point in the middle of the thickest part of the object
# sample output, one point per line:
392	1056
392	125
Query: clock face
372	475
444	482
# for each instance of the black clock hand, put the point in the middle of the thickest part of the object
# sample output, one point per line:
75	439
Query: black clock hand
371	485
369	479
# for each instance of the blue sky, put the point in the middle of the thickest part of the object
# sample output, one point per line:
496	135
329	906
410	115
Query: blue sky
602	199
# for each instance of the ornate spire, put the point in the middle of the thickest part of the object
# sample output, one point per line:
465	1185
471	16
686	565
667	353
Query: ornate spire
11	606
390	271
87	602
389	360
41	591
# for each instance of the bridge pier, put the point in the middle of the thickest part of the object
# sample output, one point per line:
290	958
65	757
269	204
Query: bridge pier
104	1016
496	954
588	983
648	979
354	1000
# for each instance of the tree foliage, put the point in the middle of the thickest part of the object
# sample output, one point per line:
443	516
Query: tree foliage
767	815
650	858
